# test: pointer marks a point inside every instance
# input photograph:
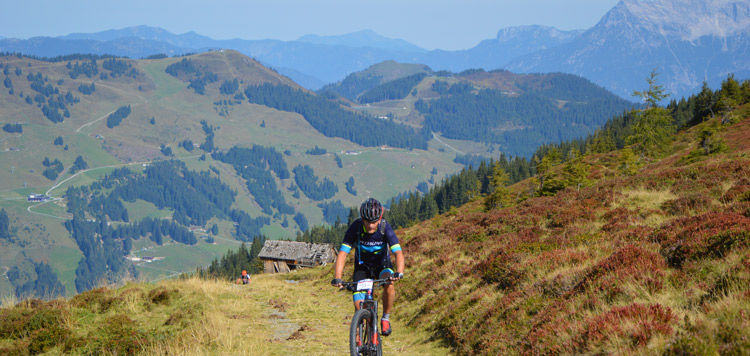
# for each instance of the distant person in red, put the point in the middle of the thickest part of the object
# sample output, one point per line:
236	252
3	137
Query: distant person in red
244	279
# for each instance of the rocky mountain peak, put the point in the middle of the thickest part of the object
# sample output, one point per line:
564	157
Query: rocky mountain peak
535	31
686	20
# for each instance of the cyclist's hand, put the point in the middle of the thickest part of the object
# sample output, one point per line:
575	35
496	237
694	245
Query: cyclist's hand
337	282
396	276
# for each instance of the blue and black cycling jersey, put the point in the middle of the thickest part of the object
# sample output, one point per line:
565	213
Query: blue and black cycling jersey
371	250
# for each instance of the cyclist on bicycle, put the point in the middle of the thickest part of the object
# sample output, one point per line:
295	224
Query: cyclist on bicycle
373	240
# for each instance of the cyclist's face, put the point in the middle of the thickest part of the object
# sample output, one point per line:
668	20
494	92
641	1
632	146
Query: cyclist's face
371	226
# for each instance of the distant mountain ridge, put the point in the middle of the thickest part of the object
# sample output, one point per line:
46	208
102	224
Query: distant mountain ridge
686	41
364	38
312	60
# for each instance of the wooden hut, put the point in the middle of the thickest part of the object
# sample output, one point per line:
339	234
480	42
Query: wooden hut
283	256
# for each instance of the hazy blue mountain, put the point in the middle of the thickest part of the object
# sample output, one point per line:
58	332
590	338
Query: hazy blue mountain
511	42
365	38
131	47
312	60
186	40
686	41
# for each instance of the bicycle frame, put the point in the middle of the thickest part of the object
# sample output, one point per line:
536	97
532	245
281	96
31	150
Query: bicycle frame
370	305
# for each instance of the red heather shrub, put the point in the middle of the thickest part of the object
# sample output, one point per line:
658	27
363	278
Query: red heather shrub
537	209
633	234
637	322
696	202
415	244
619	219
740	191
738	136
573	211
501	268
528	234
706	235
549	328
628	263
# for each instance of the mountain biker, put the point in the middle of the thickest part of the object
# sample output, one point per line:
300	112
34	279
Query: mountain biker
244	278
373	240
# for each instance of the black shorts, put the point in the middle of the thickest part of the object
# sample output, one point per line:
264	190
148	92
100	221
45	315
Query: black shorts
363	272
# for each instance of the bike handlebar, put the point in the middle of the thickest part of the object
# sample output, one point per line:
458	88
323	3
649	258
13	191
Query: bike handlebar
352	286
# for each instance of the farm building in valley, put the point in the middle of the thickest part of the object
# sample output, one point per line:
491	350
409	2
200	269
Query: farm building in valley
283	256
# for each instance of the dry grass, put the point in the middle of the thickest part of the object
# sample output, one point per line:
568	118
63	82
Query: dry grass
297	313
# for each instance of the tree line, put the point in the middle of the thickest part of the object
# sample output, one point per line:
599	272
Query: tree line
196	76
255	165
114	119
231	264
330	119
307	181
518	123
393	90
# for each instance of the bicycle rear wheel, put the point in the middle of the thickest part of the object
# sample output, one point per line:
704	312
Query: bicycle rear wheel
360	335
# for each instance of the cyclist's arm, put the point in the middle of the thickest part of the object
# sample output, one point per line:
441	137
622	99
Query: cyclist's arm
340	262
399	261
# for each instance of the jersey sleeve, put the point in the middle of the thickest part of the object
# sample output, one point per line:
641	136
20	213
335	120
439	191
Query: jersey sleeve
392	239
350	238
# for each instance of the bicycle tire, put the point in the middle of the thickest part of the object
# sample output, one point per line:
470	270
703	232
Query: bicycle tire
361	323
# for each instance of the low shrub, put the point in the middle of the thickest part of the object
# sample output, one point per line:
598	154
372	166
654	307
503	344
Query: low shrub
692	203
636	322
96	300
708	235
501	269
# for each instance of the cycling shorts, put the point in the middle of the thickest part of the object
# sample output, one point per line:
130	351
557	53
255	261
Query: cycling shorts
362	272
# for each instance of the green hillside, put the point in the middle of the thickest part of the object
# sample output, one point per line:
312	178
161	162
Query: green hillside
650	261
483	111
114	113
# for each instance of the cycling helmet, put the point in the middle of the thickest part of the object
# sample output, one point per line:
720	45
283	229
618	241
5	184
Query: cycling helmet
244	273
371	210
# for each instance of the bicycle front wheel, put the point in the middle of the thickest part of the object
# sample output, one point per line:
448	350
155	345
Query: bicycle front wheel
361	335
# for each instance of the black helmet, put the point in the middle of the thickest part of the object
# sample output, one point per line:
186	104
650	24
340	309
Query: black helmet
371	210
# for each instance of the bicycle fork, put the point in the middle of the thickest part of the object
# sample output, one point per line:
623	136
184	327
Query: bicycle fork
372	305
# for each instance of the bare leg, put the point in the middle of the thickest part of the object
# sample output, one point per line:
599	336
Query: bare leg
389	296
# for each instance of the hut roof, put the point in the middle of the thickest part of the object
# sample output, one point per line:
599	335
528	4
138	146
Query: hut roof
292	250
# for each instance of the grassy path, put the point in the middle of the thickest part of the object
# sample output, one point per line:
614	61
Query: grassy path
297	313
306	316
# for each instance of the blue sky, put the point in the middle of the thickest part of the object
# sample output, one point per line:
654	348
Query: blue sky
431	24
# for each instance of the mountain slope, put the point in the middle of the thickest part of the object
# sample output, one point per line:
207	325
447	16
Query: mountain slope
657	262
357	83
653	263
687	42
73	122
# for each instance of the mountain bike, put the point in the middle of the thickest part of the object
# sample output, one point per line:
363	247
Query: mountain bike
364	339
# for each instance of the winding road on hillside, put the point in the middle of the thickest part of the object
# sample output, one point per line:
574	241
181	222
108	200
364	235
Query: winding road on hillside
111	112
58	184
447	145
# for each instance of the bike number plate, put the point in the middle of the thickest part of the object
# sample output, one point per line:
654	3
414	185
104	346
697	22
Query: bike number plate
365	284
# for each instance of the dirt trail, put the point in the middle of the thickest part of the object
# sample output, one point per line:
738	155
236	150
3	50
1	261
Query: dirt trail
303	314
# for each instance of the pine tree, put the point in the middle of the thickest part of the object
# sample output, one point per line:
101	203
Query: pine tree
576	170
500	196
627	162
704	103
4	225
544	175
653	130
